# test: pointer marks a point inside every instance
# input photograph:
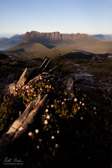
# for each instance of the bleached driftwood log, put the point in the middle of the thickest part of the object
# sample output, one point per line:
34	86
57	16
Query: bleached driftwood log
26	77
19	126
9	89
26	73
23	77
44	64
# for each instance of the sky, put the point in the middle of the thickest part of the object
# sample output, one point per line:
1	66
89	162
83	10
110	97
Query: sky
65	16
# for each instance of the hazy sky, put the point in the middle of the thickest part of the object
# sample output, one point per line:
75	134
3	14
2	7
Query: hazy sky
65	16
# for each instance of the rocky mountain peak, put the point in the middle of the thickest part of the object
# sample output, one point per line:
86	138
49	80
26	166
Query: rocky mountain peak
35	36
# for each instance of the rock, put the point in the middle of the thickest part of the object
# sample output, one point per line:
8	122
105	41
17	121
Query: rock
11	77
34	36
68	83
9	89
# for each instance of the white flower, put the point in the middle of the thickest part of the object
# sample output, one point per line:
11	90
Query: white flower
32	90
30	134
62	102
78	108
81	118
80	102
94	108
83	104
52	137
95	112
57	131
27	87
75	100
40	78
56	145
34	95
38	147
64	99
52	105
36	131
48	117
21	128
45	122
46	110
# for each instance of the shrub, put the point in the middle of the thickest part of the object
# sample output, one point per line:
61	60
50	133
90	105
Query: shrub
9	111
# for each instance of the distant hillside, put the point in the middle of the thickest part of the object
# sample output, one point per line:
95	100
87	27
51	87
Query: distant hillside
71	41
40	45
10	42
103	37
36	50
29	47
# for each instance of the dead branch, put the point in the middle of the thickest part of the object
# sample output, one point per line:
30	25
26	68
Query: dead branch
19	127
23	77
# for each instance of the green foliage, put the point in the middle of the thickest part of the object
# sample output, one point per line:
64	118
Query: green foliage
31	91
63	107
9	111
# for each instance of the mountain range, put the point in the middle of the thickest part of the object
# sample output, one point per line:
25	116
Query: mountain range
46	37
35	44
103	37
10	42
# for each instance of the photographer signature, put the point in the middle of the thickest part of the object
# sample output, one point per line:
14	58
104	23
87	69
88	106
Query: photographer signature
12	161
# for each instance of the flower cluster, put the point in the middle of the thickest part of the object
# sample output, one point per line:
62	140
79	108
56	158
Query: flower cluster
31	90
62	105
45	143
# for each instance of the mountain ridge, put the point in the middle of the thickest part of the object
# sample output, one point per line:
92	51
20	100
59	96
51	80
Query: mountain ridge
10	42
72	41
36	45
103	37
53	37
